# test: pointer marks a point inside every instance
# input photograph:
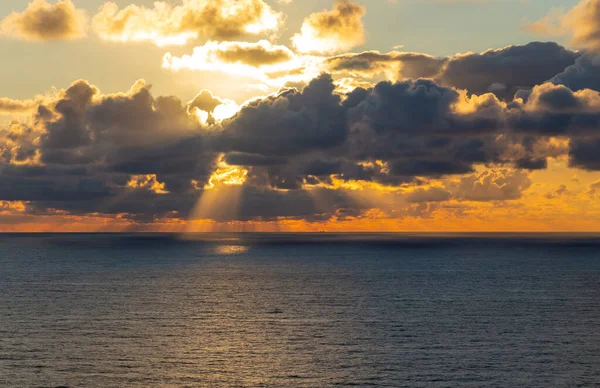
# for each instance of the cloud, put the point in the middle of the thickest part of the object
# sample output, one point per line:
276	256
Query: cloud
401	148
205	101
428	194
235	55
211	109
389	135
86	152
562	190
253	54
529	163
505	71
594	189
42	21
395	65
289	123
265	204
418	129
502	71
274	65
148	182
584	154
495	184
333	30
8	105
583	74
492	185
582	23
556	110
396	133
165	24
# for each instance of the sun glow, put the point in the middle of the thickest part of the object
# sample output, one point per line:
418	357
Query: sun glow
219	199
226	110
202	116
8	207
158	39
269	21
310	42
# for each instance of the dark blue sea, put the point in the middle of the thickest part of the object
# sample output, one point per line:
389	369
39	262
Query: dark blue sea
299	310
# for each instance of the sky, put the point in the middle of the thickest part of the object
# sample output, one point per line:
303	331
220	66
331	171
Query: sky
289	115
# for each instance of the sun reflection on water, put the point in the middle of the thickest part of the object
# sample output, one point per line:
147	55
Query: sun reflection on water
230	250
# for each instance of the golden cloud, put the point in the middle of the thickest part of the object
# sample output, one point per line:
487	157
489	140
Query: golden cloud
8	105
582	22
176	25
272	64
42	21
148	182
332	30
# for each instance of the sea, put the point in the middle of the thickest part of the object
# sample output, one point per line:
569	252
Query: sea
300	310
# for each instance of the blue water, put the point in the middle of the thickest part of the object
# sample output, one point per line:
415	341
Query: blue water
299	311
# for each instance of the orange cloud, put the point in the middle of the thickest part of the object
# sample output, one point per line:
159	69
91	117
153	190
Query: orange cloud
148	182
493	185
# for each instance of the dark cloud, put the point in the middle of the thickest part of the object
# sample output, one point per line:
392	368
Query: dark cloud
205	101
410	106
245	159
290	123
555	110
502	72
415	128
583	74
81	152
584	153
371	63
532	164
412	127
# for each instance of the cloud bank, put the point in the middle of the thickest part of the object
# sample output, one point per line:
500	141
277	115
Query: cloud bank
292	154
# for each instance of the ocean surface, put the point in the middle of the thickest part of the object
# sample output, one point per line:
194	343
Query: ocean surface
290	310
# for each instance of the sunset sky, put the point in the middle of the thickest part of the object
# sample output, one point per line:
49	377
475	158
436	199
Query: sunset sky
300	115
